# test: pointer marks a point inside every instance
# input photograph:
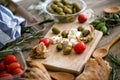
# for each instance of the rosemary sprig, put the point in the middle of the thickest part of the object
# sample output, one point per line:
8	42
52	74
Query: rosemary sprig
26	39
115	62
110	19
19	42
33	34
13	50
114	59
114	72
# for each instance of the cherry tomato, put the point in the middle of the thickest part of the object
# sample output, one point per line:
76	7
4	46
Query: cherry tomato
10	59
13	66
79	47
82	18
9	76
17	71
2	66
46	41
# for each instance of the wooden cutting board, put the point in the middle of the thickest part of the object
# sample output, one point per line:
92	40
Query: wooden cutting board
72	63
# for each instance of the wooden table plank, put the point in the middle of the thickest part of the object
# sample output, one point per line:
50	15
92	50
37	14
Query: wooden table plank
72	63
97	6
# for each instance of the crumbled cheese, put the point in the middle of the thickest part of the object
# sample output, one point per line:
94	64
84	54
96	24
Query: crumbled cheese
73	41
66	41
56	39
70	44
73	33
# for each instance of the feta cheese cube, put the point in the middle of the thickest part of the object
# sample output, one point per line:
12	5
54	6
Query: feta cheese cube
73	41
56	39
73	33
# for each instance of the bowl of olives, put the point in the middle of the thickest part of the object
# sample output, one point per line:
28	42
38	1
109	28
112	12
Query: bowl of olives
64	10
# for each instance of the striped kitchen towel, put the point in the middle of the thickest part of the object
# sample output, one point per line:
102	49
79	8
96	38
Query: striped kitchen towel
10	26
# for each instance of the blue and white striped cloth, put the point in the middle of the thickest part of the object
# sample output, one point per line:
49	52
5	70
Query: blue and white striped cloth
10	26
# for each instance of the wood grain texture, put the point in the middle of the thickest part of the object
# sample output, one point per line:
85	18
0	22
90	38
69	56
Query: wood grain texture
97	6
72	63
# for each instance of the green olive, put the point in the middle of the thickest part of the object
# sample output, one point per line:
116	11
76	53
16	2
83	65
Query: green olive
80	28
51	10
55	30
58	10
74	10
59	46
62	13
64	7
62	19
67	50
69	6
62	1
75	5
54	6
65	34
67	10
60	5
55	1
78	9
65	2
85	33
69	19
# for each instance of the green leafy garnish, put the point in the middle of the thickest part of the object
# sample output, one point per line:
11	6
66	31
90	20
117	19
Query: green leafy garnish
114	59
115	64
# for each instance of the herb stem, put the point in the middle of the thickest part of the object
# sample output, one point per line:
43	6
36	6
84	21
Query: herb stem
114	59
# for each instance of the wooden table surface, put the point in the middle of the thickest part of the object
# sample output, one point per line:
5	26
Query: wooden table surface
97	6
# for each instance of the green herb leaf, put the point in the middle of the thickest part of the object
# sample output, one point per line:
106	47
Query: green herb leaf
114	59
115	64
